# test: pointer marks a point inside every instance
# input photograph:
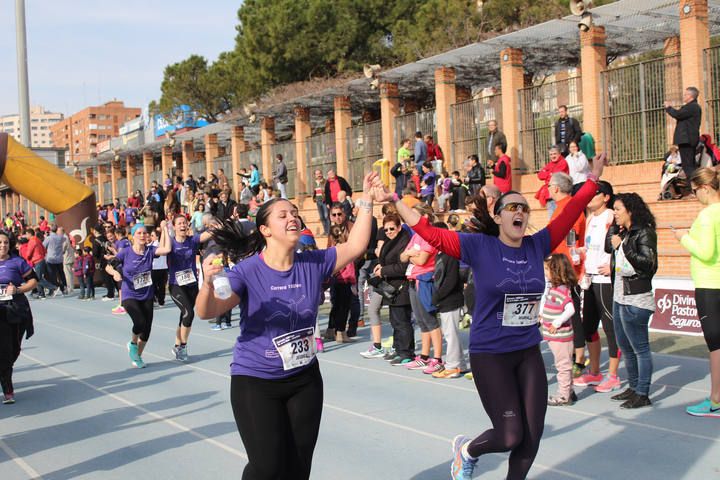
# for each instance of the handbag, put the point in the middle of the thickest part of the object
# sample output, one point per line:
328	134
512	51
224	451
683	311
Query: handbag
384	288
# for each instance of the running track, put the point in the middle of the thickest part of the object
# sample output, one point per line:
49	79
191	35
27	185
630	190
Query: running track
84	412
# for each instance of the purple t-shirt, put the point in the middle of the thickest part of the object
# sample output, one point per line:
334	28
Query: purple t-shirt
182	257
12	270
136	270
429	179
512	278
121	243
276	303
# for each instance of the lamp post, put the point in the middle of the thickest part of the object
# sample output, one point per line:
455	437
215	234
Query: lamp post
22	71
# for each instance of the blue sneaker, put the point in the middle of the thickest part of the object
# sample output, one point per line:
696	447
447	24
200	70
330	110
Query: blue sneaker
704	409
139	363
133	351
460	468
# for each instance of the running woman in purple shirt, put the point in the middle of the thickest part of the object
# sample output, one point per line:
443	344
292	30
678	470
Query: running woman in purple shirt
16	278
276	389
505	357
137	289
182	277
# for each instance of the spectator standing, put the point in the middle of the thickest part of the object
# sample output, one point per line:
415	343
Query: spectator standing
280	176
557	163
687	128
55	246
319	197
435	154
421	152
402	176
578	167
404	153
495	138
333	185
475	178
567	129
502	171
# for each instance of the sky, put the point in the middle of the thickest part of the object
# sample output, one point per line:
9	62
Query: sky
83	52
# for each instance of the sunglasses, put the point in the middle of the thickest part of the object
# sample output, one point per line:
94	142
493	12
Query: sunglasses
390	229
337	214
516	207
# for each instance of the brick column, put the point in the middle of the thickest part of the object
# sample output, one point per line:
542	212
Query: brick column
15	202
267	140
445	97
237	146
131	169
188	155
389	109
147	165
673	91
592	61
166	163
694	39
512	79
212	151
114	177
303	130
343	121
101	179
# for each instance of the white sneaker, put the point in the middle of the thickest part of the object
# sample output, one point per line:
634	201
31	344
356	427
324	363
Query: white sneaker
107	299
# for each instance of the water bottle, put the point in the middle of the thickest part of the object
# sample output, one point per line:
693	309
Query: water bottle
221	284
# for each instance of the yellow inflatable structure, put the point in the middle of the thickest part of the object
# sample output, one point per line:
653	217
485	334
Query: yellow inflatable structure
41	182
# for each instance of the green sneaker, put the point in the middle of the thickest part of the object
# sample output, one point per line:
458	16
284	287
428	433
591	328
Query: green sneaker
133	352
139	363
578	370
388	343
469	376
706	408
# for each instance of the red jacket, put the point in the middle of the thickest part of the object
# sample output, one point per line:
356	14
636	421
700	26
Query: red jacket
546	173
44	226
503	184
34	252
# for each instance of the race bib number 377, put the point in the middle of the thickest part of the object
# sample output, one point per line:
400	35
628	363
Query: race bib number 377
297	348
521	309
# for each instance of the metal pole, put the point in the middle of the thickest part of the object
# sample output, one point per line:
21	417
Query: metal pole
22	71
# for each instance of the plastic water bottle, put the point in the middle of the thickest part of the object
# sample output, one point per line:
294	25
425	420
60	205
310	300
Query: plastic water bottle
221	284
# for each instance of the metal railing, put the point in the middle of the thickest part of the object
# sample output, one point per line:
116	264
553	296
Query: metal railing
637	129
157	175
122	190
470	131
406	125
320	153
107	193
197	169
287	150
137	183
538	114
364	148
712	91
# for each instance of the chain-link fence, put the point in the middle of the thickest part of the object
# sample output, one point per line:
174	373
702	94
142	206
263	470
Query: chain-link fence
538	114
406	125
470	131
364	148
712	90
320	153
637	129
287	150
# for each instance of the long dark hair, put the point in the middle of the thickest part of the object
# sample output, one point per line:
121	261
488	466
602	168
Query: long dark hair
640	214
239	243
481	221
12	242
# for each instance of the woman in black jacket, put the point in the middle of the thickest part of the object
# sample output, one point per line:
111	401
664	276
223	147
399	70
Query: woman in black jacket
393	271
632	240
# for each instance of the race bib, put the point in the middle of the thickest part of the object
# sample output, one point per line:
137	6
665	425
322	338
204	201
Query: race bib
142	280
521	309
185	277
4	296
297	348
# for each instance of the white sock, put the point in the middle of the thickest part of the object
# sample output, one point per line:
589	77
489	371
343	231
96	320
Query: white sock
464	452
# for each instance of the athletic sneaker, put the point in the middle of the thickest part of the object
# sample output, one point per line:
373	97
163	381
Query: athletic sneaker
461	468
577	370
400	361
373	352
638	401
626	394
557	401
183	354
417	364
389	355
434	365
133	352
119	310
9	399
704	409
139	363
588	379
176	351
108	299
447	373
610	383
469	376
226	326
216	328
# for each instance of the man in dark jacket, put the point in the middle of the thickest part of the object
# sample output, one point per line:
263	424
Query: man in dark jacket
225	207
475	178
402	177
687	129
495	138
566	130
333	185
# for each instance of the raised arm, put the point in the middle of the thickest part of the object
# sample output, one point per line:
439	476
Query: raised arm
359	237
164	245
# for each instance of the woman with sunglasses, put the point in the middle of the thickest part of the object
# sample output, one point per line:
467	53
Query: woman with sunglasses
505	358
703	243
137	289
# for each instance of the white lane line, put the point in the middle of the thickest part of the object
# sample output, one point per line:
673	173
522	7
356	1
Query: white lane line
150	413
19	461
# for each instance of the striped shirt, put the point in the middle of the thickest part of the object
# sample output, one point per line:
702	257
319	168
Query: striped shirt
554	303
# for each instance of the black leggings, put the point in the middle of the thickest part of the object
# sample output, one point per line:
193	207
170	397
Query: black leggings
159	279
577	322
57	275
513	389
141	313
184	297
278	421
708	306
403	331
10	338
341	298
597	306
